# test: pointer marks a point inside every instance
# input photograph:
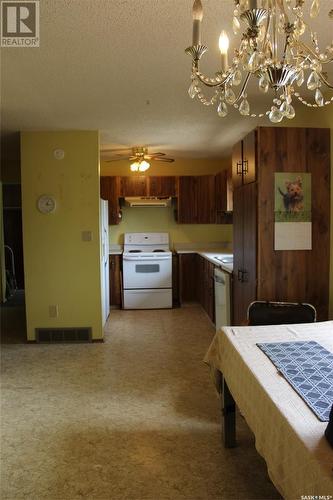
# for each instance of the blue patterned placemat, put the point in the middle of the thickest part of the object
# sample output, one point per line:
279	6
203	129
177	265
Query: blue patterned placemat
308	367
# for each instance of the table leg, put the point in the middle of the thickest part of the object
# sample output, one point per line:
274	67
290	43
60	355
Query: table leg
228	409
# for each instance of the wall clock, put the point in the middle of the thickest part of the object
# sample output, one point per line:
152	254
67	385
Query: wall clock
59	154
46	204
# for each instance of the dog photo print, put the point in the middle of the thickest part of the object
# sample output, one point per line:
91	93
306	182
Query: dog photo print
292	211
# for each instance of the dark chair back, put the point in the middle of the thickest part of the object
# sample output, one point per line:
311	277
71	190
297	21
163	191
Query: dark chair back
280	313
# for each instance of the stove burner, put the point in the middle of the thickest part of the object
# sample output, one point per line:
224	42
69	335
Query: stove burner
158	250
135	251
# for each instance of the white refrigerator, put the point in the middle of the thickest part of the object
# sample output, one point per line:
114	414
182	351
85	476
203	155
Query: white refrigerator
105	278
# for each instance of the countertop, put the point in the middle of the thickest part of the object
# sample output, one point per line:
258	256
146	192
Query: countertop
115	250
209	251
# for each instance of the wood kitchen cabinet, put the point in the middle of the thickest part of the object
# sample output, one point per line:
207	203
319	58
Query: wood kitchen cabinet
175	280
187	272
115	280
134	185
260	271
224	197
162	186
205	286
187	200
196	199
206	213
245	250
196	282
110	190
142	185
244	160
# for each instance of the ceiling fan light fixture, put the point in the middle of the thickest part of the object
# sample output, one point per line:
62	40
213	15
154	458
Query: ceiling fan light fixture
135	166
143	165
140	159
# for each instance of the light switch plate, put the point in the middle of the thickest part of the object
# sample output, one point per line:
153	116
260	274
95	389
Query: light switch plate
86	235
53	311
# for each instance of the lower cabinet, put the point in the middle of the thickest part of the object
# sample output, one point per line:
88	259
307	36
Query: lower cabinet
115	265
196	282
188	270
205	286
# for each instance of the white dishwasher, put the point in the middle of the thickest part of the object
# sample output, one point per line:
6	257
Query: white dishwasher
222	298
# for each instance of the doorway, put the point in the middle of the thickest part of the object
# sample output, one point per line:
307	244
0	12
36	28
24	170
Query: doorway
13	325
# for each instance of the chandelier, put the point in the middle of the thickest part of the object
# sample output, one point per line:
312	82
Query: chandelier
272	51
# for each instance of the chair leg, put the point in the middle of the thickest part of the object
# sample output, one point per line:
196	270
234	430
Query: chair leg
228	409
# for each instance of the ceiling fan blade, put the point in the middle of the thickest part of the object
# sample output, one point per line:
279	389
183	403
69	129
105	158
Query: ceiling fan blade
166	160
157	154
114	159
114	150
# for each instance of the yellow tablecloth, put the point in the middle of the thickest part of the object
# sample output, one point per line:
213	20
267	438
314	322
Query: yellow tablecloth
288	434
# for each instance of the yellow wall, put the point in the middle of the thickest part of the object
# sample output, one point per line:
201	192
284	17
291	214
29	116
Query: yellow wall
60	268
162	219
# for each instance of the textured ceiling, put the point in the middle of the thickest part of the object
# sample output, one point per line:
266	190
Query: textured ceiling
119	66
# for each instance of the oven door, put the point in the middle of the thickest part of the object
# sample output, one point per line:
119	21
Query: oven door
147	273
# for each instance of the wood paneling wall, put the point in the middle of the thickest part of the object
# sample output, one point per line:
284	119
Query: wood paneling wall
299	275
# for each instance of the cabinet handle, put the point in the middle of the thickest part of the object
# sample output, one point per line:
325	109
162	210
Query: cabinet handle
242	276
245	166
239	168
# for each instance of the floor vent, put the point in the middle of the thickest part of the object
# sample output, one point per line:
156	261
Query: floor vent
63	335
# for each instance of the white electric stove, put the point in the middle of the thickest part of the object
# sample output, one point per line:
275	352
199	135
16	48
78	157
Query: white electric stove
147	271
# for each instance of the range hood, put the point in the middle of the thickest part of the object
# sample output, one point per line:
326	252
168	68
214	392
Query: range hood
147	201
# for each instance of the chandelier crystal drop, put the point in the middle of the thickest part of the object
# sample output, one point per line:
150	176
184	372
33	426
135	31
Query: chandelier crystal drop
278	49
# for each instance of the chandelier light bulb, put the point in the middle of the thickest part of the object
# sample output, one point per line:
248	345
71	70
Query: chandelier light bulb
197	10
223	42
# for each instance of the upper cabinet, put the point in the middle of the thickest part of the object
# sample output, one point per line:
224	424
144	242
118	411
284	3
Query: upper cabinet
249	157
141	185
224	196
244	160
187	200
206	199
162	186
134	185
110	190
196	199
201	199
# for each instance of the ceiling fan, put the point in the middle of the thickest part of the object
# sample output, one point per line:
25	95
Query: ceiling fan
140	158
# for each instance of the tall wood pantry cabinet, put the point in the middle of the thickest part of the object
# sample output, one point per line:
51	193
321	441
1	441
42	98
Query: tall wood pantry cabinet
260	272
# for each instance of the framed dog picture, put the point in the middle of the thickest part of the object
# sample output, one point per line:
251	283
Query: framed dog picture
292	211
